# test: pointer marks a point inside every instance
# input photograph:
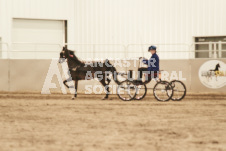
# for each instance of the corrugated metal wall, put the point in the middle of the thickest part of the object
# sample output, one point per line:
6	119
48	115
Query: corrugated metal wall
44	9
123	21
147	21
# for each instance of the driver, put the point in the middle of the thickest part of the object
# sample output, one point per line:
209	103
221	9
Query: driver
153	65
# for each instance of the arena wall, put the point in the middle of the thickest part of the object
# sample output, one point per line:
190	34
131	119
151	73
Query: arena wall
4	76
30	75
122	22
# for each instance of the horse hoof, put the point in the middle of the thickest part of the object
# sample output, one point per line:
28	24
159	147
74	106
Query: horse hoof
72	98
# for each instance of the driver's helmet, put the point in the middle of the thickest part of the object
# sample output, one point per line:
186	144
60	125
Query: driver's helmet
152	48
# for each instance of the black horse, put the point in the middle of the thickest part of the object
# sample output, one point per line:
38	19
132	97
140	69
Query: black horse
79	70
212	72
216	68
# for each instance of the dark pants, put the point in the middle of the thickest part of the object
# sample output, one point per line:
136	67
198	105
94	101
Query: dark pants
149	76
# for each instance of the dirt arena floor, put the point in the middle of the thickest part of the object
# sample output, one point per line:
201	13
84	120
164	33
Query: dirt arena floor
34	122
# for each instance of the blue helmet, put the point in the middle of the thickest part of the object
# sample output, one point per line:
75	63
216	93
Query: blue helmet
152	48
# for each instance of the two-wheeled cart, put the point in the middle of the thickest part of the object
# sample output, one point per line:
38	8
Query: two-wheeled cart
129	89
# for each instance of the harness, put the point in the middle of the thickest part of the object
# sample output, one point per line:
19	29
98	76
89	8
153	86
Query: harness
74	68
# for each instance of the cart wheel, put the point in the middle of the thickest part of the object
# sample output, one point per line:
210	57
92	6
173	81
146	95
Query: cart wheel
163	91
126	90
179	90
141	92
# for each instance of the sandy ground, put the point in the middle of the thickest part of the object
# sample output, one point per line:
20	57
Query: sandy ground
36	122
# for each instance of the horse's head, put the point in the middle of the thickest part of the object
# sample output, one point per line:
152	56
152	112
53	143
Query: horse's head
62	55
218	65
65	53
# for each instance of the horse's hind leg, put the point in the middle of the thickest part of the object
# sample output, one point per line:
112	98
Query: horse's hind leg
108	80
76	86
106	86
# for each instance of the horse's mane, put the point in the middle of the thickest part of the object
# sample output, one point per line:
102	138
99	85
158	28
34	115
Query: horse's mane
75	58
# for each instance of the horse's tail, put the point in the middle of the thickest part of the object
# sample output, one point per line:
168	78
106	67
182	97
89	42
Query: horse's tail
114	74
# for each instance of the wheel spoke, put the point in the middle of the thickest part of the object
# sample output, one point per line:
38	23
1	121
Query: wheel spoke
126	90
163	91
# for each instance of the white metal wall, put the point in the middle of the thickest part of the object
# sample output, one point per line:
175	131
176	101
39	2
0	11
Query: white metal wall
148	21
122	21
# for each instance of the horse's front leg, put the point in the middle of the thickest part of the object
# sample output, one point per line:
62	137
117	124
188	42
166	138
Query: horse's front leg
65	82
